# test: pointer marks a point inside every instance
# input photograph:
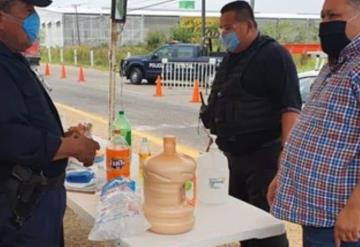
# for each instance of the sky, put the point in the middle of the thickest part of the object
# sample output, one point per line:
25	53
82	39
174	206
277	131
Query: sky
262	6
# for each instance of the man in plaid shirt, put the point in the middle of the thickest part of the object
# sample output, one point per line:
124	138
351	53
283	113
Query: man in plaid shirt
317	185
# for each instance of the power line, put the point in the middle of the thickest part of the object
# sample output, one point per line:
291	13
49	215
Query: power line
152	5
139	2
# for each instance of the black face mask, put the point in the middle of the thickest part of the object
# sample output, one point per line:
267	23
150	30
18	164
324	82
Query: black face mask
333	38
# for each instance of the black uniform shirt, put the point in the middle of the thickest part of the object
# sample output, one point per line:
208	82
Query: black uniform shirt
271	73
30	129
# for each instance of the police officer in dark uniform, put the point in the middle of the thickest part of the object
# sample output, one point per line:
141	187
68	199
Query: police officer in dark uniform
253	104
33	146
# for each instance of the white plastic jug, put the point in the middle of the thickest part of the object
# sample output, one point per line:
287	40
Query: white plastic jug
213	176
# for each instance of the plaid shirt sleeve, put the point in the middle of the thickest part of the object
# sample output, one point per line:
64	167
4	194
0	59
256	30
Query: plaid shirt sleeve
355	82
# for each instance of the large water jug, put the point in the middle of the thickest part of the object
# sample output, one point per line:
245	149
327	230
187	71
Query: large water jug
166	177
213	176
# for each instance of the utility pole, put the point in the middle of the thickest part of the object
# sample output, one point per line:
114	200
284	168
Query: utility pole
252	3
118	17
77	22
112	74
203	22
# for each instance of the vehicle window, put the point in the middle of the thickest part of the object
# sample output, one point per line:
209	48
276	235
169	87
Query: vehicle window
305	86
184	52
165	52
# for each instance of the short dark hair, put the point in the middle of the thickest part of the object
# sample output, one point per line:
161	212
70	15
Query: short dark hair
6	4
243	10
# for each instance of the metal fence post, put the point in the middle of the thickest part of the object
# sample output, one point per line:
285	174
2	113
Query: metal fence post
49	55
75	57
61	55
92	58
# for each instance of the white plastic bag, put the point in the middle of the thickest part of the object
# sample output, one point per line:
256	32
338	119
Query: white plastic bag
119	213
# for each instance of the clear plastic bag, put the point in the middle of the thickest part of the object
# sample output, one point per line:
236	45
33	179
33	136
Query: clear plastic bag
119	212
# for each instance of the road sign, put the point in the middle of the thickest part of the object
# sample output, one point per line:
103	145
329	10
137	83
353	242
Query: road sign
118	10
187	4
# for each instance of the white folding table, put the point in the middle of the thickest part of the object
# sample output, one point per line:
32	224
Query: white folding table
214	224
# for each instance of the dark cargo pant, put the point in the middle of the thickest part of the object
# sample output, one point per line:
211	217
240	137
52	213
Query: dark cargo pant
250	176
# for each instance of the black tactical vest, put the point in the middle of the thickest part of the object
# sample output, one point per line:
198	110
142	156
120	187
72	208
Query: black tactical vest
233	110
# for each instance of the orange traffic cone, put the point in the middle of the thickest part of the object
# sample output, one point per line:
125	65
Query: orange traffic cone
196	92
158	88
81	77
63	72
47	70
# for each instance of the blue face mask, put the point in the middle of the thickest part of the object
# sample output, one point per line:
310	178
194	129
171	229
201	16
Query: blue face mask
31	26
230	41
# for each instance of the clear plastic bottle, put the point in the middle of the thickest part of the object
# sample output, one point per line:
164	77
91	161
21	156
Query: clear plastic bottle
88	129
122	123
144	153
117	157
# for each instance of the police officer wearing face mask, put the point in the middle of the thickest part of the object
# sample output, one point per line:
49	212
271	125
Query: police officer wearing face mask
254	102
318	184
33	146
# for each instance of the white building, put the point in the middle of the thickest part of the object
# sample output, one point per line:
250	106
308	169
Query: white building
63	26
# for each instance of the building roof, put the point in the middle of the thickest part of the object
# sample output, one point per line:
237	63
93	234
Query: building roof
158	12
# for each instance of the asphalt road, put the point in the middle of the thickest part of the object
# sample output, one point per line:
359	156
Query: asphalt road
171	114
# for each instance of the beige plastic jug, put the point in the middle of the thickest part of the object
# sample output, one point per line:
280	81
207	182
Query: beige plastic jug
165	204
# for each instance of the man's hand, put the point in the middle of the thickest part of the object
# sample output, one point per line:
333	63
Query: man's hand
78	130
270	196
85	149
347	225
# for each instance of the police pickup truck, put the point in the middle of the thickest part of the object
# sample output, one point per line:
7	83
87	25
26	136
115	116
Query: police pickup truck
149	66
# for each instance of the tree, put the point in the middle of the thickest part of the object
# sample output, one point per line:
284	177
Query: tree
182	34
154	39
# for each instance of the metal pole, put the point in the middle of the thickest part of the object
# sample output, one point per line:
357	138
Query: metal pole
112	80
92	58
49	55
252	3
203	22
61	55
75	57
77	22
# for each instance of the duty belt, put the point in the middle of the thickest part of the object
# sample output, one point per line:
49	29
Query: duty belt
23	189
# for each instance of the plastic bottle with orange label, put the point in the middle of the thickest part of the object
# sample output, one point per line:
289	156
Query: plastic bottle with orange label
117	157
144	154
166	179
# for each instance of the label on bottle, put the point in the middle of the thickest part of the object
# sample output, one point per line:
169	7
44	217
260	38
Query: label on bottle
217	183
190	192
116	163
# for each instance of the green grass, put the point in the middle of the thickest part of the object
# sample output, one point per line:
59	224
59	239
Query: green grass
101	62
101	55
